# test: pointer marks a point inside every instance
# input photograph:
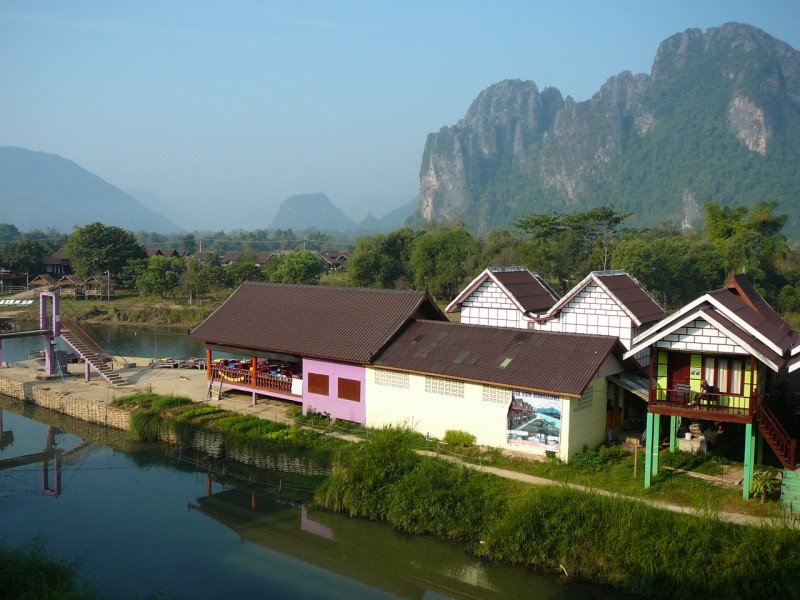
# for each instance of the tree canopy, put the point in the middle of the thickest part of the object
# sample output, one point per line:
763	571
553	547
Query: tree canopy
96	248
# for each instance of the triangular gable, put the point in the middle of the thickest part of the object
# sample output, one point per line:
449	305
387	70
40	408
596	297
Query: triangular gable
646	339
496	275
597	278
736	335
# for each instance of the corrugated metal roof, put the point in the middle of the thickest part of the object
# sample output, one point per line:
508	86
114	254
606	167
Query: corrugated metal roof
633	296
754	344
560	363
766	322
347	324
531	291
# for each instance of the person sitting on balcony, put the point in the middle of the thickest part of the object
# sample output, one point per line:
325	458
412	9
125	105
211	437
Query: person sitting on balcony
706	392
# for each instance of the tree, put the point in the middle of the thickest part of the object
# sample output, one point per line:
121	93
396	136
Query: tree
161	277
438	260
304	267
563	247
22	256
382	260
96	248
9	232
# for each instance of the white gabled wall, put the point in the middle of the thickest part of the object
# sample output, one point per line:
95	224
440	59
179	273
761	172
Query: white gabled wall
592	312
490	305
700	336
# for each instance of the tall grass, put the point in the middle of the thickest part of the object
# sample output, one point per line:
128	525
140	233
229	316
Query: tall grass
30	574
613	541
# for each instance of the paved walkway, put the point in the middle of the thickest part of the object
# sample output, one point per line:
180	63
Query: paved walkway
192	383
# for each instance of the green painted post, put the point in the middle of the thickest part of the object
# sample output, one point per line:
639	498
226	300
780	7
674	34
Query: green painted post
648	467
749	460
759	448
673	432
656	435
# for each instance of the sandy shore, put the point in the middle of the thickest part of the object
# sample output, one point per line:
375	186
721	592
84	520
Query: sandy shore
191	383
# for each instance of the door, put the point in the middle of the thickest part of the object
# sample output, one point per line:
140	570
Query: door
678	373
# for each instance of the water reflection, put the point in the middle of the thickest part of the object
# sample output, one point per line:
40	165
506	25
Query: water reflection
144	524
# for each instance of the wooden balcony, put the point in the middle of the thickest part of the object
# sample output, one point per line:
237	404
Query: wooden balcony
727	408
242	379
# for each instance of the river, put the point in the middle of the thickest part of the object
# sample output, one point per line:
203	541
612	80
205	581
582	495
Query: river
142	524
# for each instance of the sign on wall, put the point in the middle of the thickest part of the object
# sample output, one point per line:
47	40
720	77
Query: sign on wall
534	419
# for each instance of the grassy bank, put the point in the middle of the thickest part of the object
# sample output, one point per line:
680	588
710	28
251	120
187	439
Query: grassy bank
28	573
153	416
611	541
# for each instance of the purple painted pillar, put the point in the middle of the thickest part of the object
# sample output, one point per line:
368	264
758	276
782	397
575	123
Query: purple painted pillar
53	329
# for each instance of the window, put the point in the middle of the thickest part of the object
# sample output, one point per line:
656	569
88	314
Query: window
725	373
349	389
392	379
317	384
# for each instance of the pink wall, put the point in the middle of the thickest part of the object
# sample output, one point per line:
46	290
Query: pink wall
332	404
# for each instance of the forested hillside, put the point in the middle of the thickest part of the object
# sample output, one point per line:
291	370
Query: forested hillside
716	120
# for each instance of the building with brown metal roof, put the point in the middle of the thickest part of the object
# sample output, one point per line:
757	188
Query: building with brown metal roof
711	361
604	303
526	391
502	296
306	343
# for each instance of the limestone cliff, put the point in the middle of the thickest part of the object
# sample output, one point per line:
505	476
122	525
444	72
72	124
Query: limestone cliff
716	120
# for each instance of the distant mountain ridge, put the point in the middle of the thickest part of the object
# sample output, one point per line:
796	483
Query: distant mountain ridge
40	190
305	212
716	120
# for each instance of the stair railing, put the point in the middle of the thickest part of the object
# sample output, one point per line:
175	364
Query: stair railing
87	339
777	437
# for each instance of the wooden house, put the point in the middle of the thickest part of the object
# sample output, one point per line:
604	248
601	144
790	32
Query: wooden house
98	286
57	264
734	340
45	281
71	286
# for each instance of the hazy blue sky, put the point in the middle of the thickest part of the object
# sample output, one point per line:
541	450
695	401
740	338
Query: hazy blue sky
224	109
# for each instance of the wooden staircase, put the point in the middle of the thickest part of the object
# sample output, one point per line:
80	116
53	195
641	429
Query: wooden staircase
784	447
92	354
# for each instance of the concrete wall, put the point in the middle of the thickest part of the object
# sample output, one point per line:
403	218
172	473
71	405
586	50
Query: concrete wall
434	405
701	336
338	408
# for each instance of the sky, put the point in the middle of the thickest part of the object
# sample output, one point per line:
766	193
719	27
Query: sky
225	109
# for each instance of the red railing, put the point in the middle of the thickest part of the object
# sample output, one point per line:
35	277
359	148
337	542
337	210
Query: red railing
243	377
785	447
719	403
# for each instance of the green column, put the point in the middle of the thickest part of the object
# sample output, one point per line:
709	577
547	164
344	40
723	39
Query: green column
673	432
656	435
749	460
648	467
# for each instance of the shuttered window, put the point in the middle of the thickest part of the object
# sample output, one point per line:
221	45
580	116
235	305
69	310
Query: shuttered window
349	389
317	384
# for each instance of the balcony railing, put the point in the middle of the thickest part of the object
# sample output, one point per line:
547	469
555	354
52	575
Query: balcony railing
718	403
243	378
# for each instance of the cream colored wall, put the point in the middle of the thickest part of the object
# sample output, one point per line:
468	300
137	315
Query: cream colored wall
586	426
431	413
484	415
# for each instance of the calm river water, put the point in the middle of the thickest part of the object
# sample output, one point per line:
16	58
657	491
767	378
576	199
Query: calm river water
141	524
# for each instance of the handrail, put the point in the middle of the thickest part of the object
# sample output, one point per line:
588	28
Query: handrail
87	339
780	441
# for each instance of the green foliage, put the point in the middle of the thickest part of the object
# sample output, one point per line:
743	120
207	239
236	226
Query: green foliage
303	267
764	485
383	261
454	437
438	260
28	573
22	256
96	248
595	460
145	426
565	247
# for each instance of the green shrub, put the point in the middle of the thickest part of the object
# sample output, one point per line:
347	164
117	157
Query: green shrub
145	426
454	437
